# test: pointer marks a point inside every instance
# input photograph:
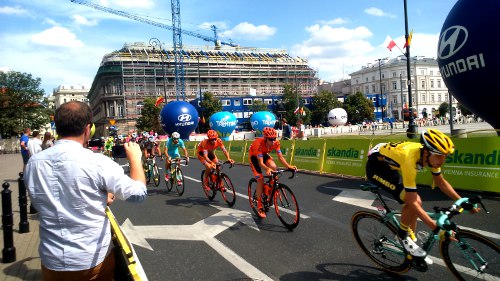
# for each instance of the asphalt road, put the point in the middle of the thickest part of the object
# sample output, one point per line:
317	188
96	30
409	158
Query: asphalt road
191	238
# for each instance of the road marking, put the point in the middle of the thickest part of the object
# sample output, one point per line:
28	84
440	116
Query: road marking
303	216
204	230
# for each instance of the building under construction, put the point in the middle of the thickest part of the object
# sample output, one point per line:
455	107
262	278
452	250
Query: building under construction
137	71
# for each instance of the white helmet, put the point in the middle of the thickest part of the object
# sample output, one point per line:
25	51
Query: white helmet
176	135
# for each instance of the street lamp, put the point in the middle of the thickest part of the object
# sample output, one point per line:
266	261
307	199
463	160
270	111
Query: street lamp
402	102
412	128
381	94
156	42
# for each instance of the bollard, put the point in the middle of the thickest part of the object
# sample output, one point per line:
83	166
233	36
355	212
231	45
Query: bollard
9	251
24	225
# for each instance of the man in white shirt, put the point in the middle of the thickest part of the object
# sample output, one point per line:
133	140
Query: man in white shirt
69	185
35	144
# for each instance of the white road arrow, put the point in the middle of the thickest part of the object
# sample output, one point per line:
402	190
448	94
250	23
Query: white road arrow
204	230
354	197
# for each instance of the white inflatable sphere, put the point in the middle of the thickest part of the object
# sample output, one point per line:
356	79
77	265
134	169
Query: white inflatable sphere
337	117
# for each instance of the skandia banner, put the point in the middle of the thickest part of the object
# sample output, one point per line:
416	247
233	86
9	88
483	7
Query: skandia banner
308	155
475	165
347	157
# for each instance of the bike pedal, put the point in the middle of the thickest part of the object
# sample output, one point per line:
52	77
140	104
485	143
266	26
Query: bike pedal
419	264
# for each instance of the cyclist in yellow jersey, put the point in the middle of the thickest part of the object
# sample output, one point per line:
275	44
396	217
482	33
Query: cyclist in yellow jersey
393	167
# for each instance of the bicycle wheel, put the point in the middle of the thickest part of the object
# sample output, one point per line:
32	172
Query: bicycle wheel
379	241
252	198
227	190
286	206
179	178
472	257
156	175
209	193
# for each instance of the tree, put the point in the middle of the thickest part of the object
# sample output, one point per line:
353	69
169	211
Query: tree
21	103
290	104
150	117
358	108
209	106
258	105
322	104
443	109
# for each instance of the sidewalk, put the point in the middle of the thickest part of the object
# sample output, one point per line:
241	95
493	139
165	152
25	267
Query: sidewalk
27	265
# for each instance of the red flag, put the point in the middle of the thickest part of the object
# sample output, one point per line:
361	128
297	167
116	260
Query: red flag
159	100
296	110
391	45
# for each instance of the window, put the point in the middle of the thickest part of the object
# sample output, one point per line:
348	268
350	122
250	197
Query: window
432	83
111	110
439	97
120	110
366	79
268	101
432	98
225	102
394	85
237	102
423	98
383	76
423	84
394	74
367	90
422	71
373	78
238	114
247	114
439	83
373	89
247	102
431	73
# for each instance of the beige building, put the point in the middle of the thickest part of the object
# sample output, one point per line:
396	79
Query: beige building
65	93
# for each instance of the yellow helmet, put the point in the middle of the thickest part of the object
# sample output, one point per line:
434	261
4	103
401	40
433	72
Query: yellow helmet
437	142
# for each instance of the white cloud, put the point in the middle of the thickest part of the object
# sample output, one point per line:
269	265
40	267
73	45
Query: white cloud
219	24
57	36
336	21
378	12
249	31
81	20
17	11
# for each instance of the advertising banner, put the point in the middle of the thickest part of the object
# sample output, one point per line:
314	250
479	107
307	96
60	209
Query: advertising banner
347	157
286	149
308	155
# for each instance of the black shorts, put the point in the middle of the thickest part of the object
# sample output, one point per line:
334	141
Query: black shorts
254	161
211	155
379	172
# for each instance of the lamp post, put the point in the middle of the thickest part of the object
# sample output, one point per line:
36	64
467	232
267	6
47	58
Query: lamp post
381	94
412	128
402	102
156	42
199	92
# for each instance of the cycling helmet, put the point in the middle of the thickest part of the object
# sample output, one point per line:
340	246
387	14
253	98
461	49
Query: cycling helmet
145	134
269	133
120	137
211	134
175	135
151	138
436	142
134	135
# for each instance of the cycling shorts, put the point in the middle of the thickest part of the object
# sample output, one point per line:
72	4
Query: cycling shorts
211	156
381	174
254	164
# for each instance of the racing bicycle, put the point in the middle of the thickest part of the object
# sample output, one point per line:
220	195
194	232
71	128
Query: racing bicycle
218	181
279	195
152	171
467	254
176	176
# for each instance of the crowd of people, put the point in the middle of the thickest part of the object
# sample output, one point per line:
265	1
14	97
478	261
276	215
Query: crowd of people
71	185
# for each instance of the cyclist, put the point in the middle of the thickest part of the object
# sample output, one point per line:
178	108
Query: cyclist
261	160
172	152
393	167
148	146
108	146
207	156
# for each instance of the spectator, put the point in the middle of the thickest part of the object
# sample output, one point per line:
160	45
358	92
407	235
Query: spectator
25	153
47	141
69	185
35	144
301	134
286	130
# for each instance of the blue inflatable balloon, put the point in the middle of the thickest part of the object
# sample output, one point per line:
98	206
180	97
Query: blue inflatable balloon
262	119
468	58
179	116
223	123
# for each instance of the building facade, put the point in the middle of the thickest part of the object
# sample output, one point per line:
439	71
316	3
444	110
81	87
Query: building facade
137	71
65	93
386	81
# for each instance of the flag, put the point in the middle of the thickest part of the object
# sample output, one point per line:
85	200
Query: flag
296	110
203	120
391	45
159	100
408	41
301	110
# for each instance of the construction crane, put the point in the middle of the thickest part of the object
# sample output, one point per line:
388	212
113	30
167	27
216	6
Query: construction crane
177	37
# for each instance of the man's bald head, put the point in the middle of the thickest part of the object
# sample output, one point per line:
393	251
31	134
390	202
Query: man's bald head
71	118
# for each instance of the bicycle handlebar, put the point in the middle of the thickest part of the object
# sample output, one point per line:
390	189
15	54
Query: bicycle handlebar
461	204
281	171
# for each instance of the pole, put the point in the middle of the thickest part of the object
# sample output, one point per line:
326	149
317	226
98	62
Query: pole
450	98
199	91
24	225
380	85
8	251
412	128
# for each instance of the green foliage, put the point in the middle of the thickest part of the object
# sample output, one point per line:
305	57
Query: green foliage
322	104
21	103
209	105
290	103
443	109
358	108
150	117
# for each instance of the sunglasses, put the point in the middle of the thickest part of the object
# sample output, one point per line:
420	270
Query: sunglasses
271	139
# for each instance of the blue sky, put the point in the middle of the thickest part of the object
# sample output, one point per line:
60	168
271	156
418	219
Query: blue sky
63	42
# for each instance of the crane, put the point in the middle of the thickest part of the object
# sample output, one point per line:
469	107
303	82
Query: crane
177	36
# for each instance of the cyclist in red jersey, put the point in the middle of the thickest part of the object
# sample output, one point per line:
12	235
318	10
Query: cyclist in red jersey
261	160
207	156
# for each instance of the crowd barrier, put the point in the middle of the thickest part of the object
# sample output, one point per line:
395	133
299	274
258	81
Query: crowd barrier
475	164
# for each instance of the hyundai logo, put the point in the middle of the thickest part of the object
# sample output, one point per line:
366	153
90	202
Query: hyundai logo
451	41
184	117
